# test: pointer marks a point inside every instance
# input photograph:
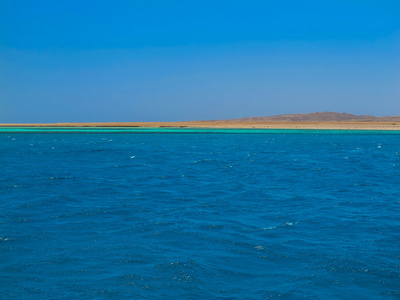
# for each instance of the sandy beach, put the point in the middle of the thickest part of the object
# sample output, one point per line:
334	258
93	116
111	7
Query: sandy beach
227	124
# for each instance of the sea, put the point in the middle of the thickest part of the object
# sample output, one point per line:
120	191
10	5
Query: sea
179	213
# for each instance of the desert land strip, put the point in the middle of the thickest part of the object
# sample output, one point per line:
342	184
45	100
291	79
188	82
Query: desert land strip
317	120
227	125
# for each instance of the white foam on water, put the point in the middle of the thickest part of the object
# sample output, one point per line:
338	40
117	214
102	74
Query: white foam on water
287	224
269	228
281	225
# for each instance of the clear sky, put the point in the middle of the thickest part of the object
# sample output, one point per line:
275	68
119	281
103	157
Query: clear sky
72	61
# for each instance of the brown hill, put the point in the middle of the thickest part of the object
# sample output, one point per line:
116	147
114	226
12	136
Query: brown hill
319	117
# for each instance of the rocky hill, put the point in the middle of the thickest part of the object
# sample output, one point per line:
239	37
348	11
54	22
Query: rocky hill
319	117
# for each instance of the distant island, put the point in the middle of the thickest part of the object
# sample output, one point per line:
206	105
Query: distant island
317	120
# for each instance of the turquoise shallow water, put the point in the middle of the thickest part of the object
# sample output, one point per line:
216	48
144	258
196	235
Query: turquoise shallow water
139	214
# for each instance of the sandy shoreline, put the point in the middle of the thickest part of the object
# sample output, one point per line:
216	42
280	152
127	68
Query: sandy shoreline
225	124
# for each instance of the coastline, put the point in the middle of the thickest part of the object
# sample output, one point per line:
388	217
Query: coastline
224	125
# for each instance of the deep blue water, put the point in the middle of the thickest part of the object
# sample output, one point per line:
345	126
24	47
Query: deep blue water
200	215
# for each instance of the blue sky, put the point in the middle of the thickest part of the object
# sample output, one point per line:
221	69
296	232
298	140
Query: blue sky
72	61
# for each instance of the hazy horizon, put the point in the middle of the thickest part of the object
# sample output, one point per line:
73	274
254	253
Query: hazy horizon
180	61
